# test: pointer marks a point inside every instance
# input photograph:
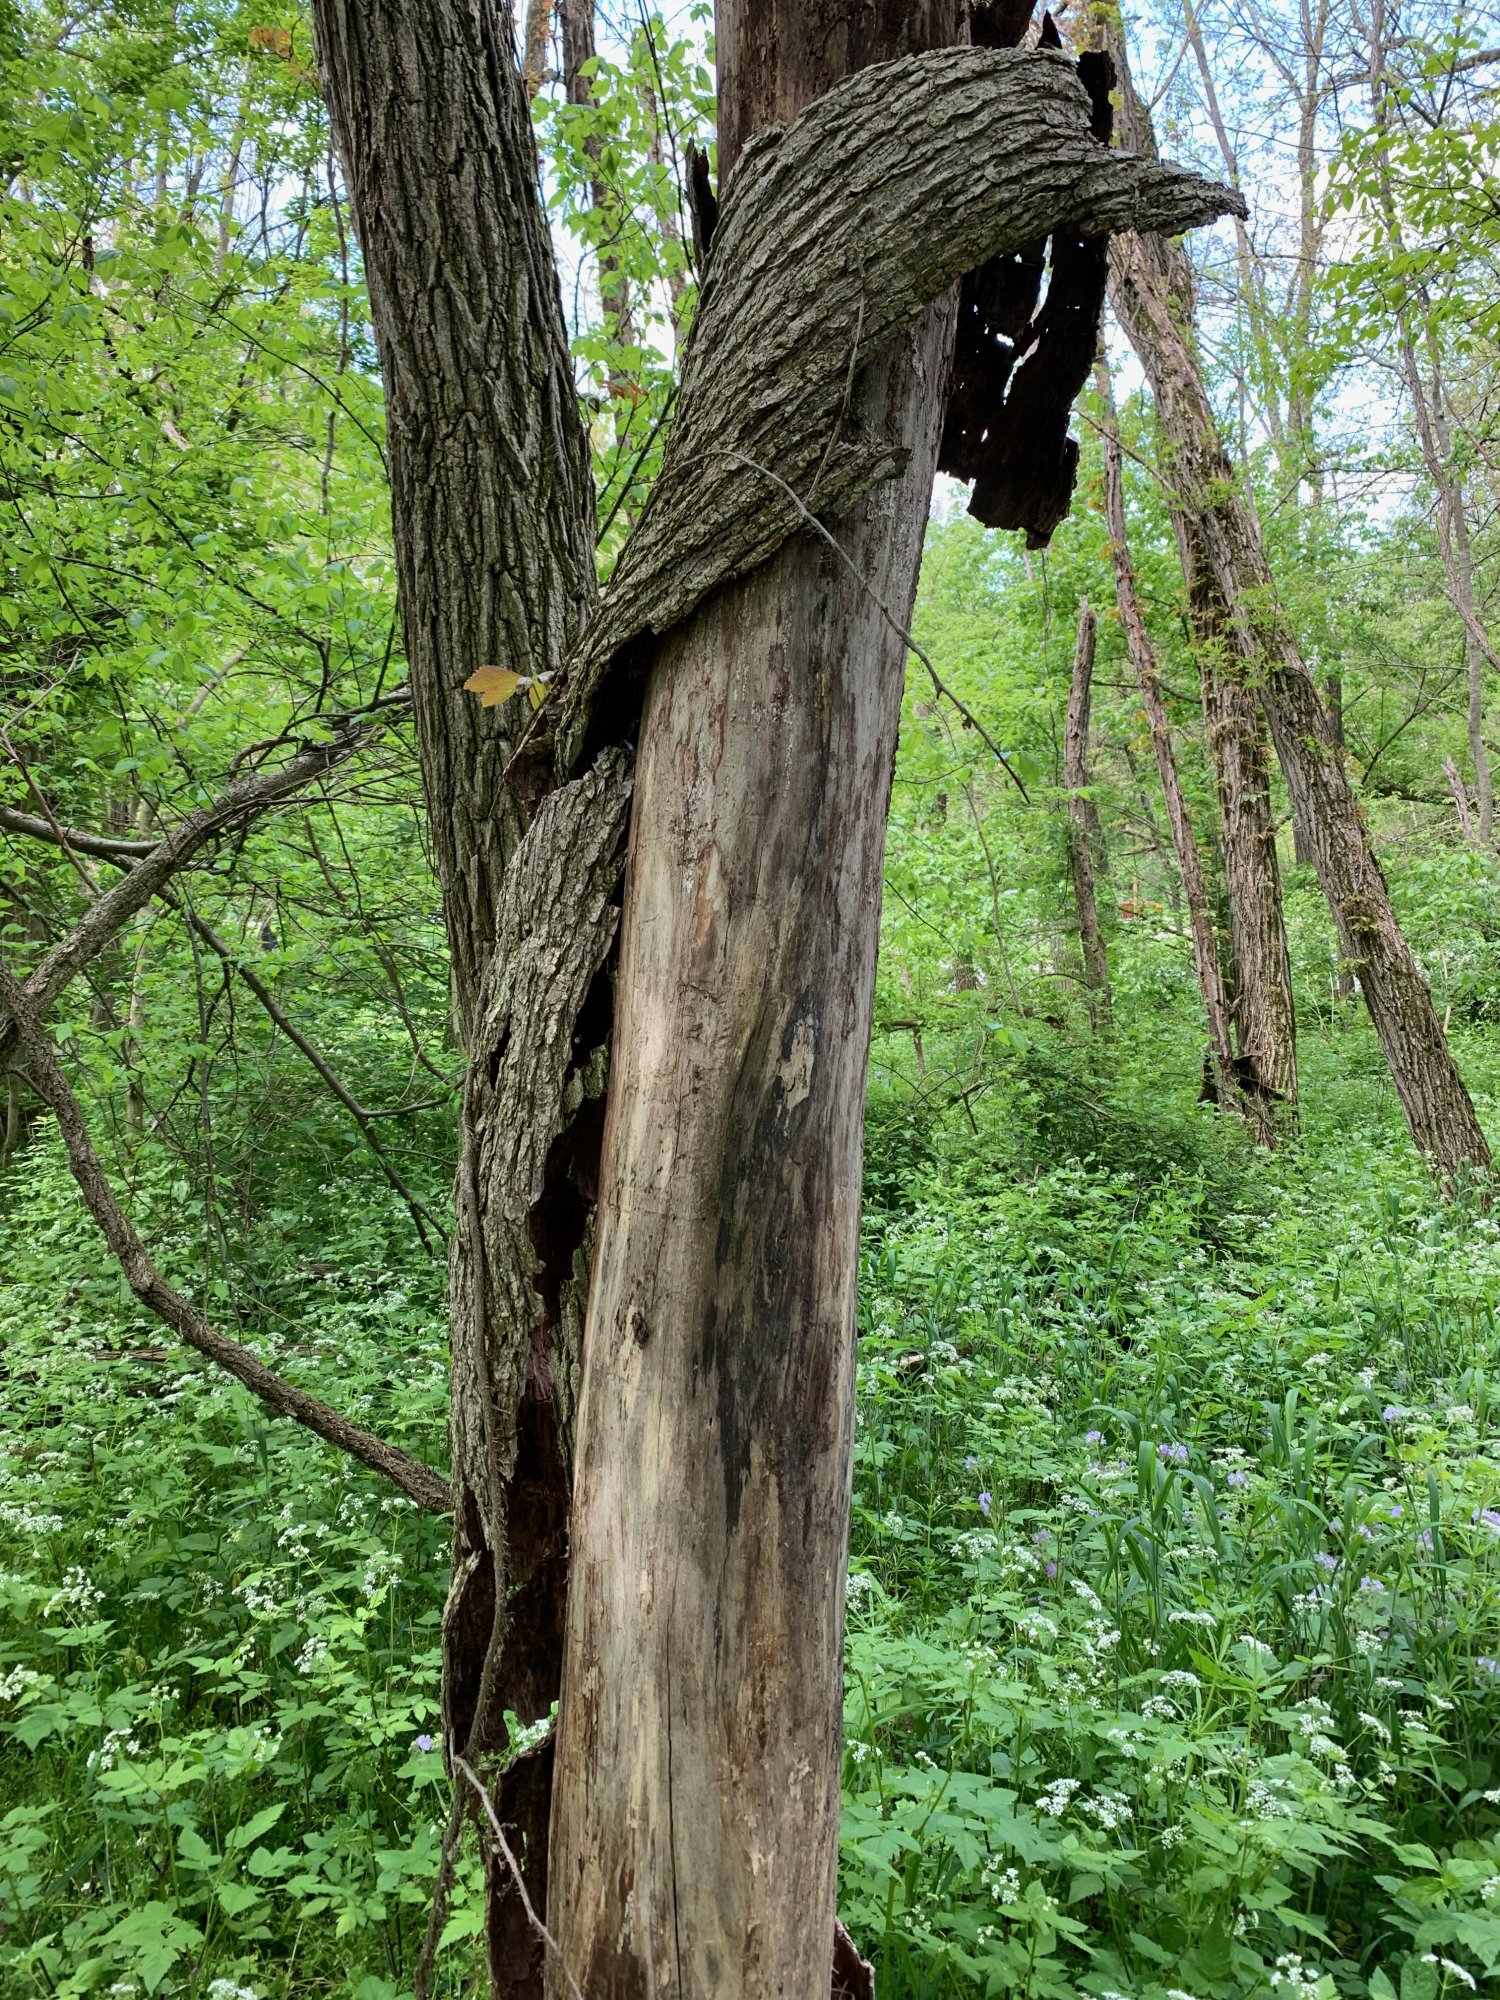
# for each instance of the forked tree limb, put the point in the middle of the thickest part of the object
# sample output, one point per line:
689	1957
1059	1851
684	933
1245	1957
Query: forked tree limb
419	1482
124	854
242	800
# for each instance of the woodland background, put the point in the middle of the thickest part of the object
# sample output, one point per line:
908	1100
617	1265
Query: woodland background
1174	1655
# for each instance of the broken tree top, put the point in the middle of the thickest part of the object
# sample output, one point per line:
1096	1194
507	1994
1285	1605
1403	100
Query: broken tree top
836	233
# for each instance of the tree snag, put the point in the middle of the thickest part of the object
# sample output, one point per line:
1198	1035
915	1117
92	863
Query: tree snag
813	376
1221	1061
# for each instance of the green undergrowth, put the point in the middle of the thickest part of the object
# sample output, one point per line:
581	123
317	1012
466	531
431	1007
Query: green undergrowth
1174	1616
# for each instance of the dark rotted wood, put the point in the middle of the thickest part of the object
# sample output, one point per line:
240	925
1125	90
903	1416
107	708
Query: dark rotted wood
1007	426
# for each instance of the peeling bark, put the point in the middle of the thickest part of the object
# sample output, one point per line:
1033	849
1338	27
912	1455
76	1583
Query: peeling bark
825	251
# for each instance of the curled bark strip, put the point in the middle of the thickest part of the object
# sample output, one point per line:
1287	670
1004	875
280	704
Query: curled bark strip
941	161
853	1976
520	1271
417	1481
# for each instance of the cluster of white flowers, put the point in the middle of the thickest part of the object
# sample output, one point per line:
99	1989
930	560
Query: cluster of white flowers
17	1681
1452	1968
1055	1799
1159	1708
27	1520
259	1597
77	1594
1191	1618
313	1654
1181	1678
226	1989
1265	1799
1035	1625
116	1740
1298	1979
1108	1809
381	1570
1004	1886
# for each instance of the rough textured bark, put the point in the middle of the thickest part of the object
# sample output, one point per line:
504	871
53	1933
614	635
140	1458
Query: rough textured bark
493	522
1085	834
1438	1109
1150	279
1184	844
490	485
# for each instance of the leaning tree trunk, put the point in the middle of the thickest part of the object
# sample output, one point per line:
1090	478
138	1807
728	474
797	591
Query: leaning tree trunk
492	504
1221	1071
1438	1109
1085	834
1263	1011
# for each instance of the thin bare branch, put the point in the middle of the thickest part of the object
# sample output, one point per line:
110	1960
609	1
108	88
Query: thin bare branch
419	1482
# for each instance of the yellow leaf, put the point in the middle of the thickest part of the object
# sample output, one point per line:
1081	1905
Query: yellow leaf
493	684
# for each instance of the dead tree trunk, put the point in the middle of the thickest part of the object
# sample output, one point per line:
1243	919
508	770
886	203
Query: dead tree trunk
1085	834
695	1831
811	379
1189	861
1438	1109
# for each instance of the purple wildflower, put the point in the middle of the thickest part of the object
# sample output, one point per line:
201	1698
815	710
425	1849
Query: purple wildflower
1172	1454
985	1501
1238	1478
424	1743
